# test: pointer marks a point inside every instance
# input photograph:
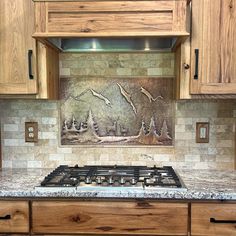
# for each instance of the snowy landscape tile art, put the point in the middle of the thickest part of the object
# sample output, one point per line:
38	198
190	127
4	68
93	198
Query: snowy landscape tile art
117	111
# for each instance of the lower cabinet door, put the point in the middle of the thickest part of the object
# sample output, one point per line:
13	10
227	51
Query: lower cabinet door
213	219
111	218
14	217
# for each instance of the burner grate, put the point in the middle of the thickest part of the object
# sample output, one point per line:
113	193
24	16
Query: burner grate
65	176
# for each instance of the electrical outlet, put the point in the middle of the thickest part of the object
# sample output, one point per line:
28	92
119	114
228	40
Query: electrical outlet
31	132
202	132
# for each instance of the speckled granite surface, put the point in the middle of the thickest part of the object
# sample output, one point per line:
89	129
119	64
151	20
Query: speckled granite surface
201	184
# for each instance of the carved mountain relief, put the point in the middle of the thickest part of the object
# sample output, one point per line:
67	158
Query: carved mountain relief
127	111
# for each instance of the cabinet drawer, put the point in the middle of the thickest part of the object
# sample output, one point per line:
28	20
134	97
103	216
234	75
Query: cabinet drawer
213	219
14	217
100	218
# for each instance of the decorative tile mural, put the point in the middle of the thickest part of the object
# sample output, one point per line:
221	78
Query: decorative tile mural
116	111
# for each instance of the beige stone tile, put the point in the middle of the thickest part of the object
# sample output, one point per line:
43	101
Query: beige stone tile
180	128
6	164
19	164
49	121
184	121
225	143
13	135
64	71
184	135
192	158
224	158
64	150
47	135
10	127
162	157
11	142
124	71
208	158
56	157
23	157
155	71
34	164
138	72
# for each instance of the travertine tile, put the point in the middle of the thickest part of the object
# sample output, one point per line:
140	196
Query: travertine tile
56	157
6	164
34	164
64	71
192	158
11	142
155	71
49	120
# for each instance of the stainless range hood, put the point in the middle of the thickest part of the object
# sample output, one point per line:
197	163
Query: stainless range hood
135	44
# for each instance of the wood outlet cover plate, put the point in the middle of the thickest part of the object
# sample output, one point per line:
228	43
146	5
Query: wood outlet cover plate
202	132
31	132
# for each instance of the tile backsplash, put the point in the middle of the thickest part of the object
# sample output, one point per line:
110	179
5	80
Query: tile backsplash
219	153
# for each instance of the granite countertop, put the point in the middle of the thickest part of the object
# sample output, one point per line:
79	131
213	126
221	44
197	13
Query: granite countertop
201	185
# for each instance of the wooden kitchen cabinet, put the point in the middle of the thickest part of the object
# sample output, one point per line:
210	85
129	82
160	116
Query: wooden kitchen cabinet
209	219
17	48
109	217
14	217
27	69
213	47
110	18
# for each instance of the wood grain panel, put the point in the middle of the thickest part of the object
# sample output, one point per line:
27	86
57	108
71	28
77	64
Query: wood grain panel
110	18
16	28
214	34
19	213
40	17
112	6
200	218
179	16
130	218
109	22
48	72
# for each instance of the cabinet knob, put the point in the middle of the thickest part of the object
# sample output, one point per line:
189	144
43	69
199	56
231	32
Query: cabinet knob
186	66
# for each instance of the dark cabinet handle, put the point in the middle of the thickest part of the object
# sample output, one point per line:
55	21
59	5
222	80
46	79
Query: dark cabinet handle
30	53
196	63
6	217
213	220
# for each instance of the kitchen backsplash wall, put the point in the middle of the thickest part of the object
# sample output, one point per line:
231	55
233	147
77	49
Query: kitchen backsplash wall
217	154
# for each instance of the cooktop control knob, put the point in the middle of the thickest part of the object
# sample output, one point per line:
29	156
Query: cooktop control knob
88	180
110	180
133	181
99	180
122	180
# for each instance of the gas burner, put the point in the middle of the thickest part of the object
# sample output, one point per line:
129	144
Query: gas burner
113	176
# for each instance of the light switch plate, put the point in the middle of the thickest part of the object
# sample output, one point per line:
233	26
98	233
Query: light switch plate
31	132
202	132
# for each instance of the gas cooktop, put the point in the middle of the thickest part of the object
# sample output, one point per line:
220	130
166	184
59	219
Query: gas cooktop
112	176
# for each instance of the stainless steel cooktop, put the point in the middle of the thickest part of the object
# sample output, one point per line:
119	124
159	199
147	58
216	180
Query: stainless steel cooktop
125	177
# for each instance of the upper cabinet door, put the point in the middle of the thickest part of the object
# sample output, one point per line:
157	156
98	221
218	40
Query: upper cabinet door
213	47
17	47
